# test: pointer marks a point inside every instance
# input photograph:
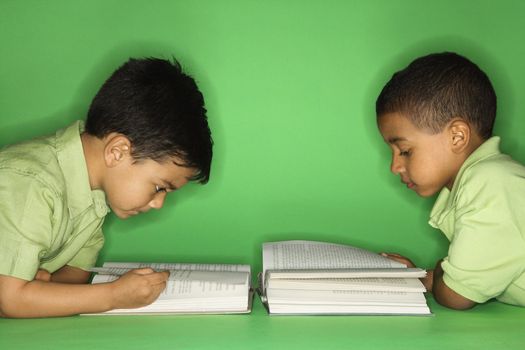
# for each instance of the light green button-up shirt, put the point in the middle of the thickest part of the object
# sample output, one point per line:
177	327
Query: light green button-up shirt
49	216
483	216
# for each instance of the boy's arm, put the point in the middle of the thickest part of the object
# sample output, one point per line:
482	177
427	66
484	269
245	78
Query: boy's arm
446	296
21	299
434	283
67	274
70	274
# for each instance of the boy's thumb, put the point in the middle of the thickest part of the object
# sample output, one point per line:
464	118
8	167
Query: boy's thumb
143	271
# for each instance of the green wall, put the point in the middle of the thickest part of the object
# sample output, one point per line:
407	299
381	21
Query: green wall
290	88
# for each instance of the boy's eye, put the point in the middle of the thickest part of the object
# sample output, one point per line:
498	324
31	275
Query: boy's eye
159	189
404	153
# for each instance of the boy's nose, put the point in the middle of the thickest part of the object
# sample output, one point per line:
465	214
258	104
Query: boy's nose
158	201
396	166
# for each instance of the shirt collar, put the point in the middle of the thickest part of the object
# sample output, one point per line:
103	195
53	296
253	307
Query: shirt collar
71	159
445	201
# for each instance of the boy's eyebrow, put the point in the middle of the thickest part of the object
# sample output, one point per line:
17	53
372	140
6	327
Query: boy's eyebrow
396	139
170	186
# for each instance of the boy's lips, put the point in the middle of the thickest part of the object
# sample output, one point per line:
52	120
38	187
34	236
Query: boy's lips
137	211
409	184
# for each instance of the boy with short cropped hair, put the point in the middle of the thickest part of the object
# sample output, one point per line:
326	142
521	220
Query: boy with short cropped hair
146	135
437	116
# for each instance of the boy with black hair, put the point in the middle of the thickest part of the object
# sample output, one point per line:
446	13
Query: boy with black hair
437	116
146	135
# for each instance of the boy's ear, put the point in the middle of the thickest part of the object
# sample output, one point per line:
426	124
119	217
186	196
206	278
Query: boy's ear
460	134
117	148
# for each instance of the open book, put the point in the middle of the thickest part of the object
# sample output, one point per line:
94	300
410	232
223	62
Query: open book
191	288
306	277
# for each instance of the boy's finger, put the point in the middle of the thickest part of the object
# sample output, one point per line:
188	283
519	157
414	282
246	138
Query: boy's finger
159	277
159	287
392	255
143	271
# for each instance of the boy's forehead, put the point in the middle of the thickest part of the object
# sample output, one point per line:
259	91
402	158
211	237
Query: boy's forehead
395	127
180	167
395	139
169	168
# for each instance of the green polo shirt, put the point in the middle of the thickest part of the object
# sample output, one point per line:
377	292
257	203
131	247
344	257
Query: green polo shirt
483	216
49	216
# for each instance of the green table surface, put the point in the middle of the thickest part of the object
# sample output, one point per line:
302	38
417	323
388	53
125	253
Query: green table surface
490	326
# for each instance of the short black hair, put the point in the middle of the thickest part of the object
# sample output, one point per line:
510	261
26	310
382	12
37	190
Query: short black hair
434	89
160	109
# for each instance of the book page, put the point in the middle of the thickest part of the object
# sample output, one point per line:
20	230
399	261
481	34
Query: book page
310	309
342	297
192	291
307	277
179	287
229	277
356	284
188	280
297	255
390	272
179	266
191	288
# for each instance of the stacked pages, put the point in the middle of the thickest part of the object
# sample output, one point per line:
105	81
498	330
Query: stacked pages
305	277
191	288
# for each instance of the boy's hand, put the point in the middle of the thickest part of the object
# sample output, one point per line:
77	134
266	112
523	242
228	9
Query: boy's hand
138	288
43	298
427	280
399	258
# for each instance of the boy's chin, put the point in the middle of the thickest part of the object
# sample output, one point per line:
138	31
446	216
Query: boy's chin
425	193
124	214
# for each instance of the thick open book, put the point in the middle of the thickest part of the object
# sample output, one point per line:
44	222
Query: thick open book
191	288
306	277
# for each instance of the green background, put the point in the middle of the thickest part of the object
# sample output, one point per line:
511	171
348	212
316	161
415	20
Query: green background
290	88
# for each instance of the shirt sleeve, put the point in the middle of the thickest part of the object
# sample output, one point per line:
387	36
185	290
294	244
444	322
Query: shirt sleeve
487	251
26	214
